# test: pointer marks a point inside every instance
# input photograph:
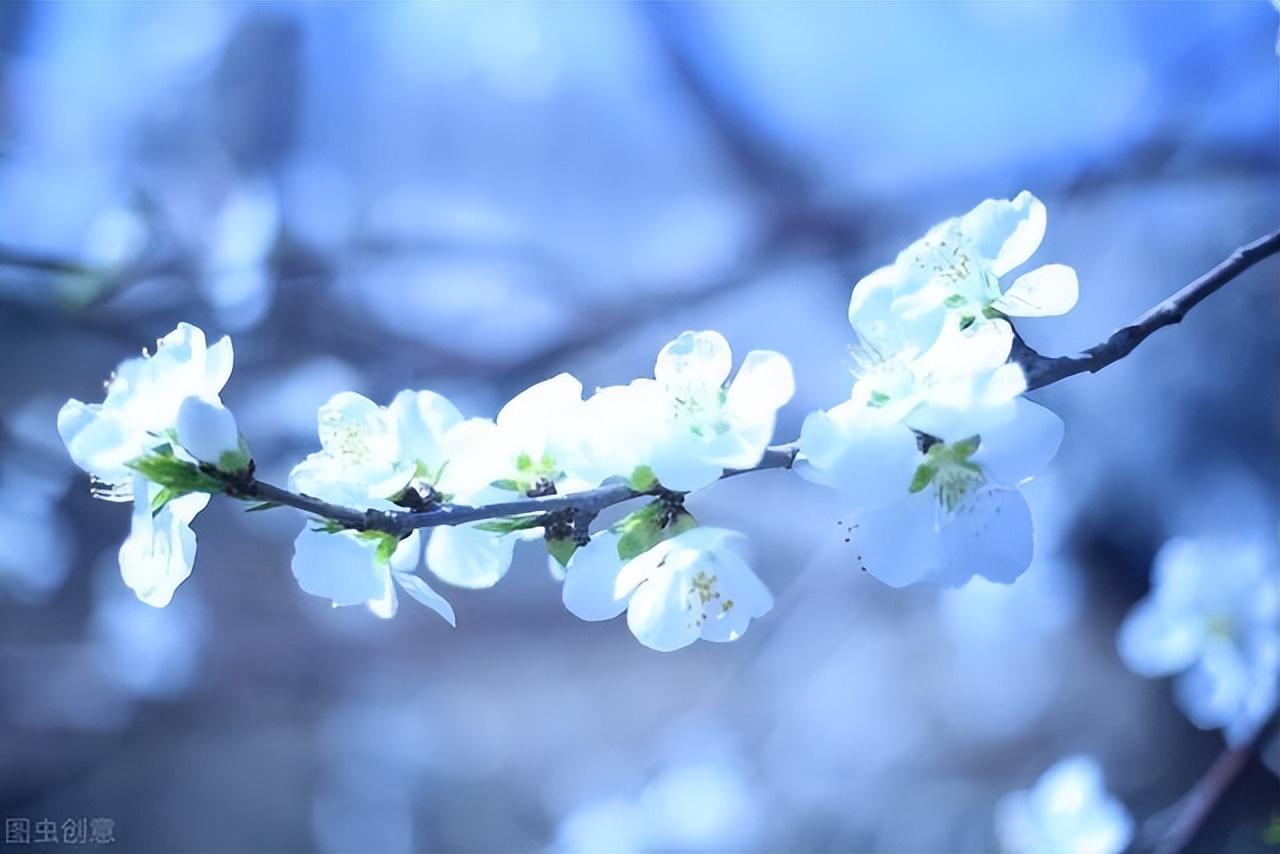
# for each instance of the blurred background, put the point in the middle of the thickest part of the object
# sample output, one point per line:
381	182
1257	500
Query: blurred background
471	198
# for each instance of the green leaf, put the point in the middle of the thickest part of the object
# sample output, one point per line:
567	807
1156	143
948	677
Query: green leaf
561	549
524	464
386	548
643	529
515	523
180	477
509	484
643	479
162	498
924	475
263	505
954	301
327	526
992	313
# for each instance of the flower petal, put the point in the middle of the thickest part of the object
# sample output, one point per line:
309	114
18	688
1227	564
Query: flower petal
869	460
743	597
416	587
1005	232
694	358
1043	292
763	384
99	441
469	557
1016	450
657	615
898	542
423	420
990	535
590	578
337	566
158	554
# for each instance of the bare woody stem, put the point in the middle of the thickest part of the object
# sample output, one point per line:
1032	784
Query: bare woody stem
398	523
1040	370
1046	370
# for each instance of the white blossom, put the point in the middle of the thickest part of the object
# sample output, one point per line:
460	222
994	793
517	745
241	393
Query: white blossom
141	405
520	454
1213	616
351	568
371	455
144	399
954	273
1068	811
688	424
160	550
689	587
941	509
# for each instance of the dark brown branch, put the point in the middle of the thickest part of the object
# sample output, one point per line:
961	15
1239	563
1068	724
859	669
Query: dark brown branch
1191	813
1045	370
399	523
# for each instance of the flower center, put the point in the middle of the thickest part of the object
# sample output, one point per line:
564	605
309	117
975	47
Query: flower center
700	409
948	469
703	600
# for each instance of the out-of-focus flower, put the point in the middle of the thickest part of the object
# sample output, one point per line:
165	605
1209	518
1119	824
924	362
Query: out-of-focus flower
1068	811
1213	616
703	806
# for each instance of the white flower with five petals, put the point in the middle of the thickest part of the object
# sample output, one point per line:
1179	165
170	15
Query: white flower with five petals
1212	616
691	586
373	457
688	424
953	274
939	507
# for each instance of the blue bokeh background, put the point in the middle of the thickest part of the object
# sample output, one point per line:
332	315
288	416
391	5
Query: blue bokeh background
471	198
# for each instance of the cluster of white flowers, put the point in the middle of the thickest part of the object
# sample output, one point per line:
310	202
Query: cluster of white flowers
935	439
1213	616
930	447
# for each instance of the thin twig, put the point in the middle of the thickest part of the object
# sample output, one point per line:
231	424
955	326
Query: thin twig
1196	806
1045	370
399	523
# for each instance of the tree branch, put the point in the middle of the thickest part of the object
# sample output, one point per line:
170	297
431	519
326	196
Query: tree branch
1195	808
1046	370
400	523
1040	370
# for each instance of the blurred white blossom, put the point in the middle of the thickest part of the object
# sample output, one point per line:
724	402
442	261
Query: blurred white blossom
1068	811
1213	616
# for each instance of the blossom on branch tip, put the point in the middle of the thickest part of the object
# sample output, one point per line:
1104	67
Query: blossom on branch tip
953	274
1068	811
1212	616
137	423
